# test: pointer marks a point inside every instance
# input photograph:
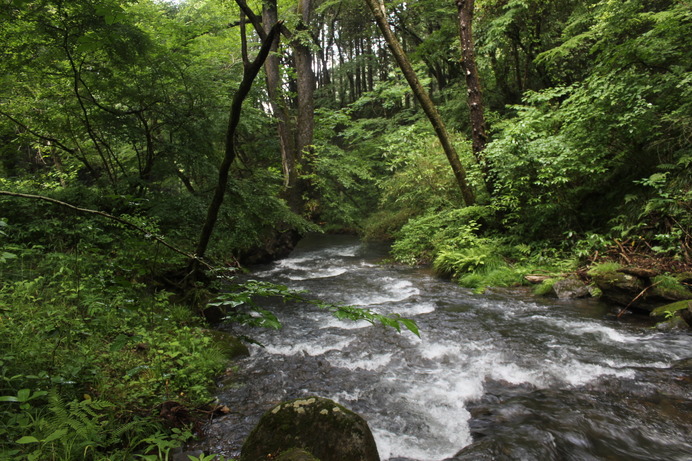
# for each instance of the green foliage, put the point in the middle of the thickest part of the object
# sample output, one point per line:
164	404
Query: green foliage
342	176
421	179
88	349
545	287
604	268
481	257
241	304
575	154
671	287
420	238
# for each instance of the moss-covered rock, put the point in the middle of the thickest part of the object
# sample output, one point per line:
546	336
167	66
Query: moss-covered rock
618	287
669	309
677	314
570	288
296	454
319	426
636	287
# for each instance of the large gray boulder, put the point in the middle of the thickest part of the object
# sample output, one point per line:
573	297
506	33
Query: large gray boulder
319	426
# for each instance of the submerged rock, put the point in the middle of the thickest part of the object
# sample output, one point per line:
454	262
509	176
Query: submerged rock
316	425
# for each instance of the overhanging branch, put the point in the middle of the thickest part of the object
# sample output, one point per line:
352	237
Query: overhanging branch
122	221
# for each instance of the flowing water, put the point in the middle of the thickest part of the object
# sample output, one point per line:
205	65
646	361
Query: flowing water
502	375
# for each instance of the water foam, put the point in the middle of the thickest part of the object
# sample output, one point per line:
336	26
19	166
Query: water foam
366	361
582	328
391	291
318	273
316	348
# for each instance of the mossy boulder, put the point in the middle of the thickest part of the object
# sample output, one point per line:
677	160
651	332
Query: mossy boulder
675	312
618	287
296	454
570	288
319	426
638	288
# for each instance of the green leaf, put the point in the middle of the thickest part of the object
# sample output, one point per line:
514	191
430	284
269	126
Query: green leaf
410	325
55	435
28	439
23	395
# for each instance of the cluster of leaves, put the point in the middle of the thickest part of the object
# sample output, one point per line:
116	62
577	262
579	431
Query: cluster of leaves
614	144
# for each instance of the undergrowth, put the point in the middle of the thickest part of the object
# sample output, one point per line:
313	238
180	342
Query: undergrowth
457	245
90	349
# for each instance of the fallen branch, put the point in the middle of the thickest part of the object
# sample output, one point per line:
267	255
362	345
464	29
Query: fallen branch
622	251
112	218
624	309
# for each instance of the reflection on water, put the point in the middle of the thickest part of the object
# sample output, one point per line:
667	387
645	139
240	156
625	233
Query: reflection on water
496	376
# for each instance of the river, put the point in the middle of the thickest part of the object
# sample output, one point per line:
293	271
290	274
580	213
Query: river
503	375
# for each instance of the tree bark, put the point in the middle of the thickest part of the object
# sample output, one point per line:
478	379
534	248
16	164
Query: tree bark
305	117
278	105
378	11
249	74
479	136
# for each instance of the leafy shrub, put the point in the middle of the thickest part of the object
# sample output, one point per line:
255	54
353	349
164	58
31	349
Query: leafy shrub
420	238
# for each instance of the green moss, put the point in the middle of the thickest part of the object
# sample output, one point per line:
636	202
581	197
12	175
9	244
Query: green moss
670	287
670	309
296	454
604	268
545	287
230	346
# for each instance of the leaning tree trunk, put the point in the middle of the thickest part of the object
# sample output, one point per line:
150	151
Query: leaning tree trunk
378	10
475	94
249	74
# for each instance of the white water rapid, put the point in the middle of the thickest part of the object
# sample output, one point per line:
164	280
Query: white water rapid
497	376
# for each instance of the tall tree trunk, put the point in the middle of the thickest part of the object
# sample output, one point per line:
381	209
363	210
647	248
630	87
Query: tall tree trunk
475	94
378	11
249	73
277	102
305	118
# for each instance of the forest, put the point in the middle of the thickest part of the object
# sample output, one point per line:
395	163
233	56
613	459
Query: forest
150	150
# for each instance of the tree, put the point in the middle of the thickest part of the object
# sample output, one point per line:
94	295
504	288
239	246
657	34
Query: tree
250	71
474	92
379	12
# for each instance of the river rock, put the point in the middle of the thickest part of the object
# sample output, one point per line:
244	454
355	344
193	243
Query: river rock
687	315
677	314
296	454
619	287
570	288
319	426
